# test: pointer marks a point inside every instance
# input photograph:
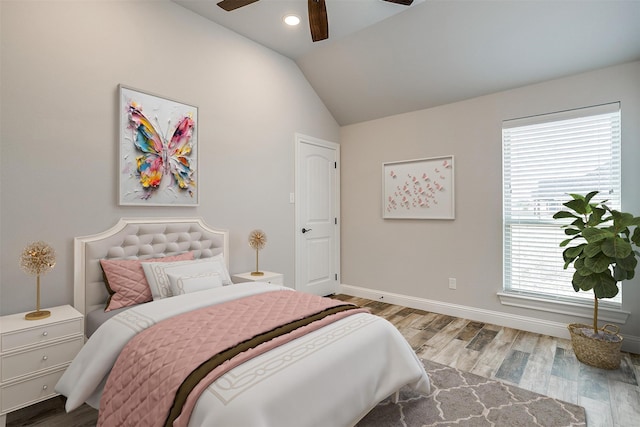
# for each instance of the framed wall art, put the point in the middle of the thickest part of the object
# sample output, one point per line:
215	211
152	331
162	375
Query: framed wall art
158	140
418	189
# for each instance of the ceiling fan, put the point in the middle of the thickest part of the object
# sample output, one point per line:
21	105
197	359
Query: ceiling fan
317	14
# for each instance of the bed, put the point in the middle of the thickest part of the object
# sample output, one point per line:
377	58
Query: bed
333	375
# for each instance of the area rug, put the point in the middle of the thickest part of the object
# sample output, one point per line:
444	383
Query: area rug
462	399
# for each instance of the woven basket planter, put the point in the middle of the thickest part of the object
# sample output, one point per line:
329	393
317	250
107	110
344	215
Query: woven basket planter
595	352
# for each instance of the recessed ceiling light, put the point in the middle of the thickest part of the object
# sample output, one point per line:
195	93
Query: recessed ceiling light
291	20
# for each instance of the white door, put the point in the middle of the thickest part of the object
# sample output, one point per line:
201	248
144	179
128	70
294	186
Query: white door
317	210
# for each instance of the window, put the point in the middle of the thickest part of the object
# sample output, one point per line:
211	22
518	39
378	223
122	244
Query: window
544	159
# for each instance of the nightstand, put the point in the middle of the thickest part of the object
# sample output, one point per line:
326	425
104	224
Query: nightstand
269	277
34	354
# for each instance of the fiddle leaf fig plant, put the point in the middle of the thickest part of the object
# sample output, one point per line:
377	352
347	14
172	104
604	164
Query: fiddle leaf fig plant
604	254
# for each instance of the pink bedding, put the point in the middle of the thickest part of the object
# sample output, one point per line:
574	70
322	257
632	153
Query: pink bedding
126	282
154	367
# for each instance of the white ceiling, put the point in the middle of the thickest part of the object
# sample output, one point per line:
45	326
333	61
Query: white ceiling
383	59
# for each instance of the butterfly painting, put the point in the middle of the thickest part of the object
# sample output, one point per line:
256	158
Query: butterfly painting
425	192
158	150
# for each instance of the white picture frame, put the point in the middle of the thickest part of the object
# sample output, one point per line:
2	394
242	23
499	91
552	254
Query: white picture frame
419	189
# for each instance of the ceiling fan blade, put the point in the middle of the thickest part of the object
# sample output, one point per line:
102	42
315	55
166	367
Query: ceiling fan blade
318	20
403	2
230	5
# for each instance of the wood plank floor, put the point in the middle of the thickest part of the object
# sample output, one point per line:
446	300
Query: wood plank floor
535	362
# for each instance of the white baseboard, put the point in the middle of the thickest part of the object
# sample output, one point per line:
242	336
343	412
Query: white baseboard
530	324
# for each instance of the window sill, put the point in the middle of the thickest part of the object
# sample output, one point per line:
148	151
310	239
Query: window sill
605	314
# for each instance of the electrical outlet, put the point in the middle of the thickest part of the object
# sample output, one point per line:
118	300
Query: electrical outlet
452	283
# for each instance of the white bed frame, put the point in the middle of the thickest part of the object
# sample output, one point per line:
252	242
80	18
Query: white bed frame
138	238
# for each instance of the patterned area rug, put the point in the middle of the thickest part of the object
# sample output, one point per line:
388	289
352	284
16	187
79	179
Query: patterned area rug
462	399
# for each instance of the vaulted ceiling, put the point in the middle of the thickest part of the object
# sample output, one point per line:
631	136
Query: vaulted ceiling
383	59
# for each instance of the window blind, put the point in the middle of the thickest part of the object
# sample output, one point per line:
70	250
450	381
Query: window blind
544	159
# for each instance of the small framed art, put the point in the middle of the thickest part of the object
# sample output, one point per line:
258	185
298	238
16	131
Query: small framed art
158	140
418	189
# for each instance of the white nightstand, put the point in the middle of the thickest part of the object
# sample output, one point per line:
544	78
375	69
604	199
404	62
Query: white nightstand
34	354
269	277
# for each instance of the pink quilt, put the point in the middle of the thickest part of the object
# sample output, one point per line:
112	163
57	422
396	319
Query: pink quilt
146	386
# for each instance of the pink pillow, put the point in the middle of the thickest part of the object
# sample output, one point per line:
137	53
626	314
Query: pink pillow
126	282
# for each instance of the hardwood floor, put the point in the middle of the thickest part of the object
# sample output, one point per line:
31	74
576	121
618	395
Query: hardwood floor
535	362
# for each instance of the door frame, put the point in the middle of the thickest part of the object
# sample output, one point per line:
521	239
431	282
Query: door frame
305	139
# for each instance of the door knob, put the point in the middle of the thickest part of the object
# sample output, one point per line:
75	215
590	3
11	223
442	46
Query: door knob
304	230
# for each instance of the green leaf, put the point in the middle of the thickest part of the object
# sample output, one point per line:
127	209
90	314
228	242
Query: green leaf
581	269
566	242
598	264
596	217
635	238
579	224
583	283
592	249
564	214
621	219
629	263
619	273
616	247
573	252
606	287
579	263
596	234
578	205
571	231
590	195
576	196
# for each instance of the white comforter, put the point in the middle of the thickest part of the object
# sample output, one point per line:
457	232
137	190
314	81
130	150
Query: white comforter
330	377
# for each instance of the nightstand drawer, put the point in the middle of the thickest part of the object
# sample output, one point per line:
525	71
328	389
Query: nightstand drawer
27	392
26	362
267	276
41	334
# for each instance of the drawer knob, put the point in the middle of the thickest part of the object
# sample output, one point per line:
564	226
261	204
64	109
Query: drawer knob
44	387
45	357
45	333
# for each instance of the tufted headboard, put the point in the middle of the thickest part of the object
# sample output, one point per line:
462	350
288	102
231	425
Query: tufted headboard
138	238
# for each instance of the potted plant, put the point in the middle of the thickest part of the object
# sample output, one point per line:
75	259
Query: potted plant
603	257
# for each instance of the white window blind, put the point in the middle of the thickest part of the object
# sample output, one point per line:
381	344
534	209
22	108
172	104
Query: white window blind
544	159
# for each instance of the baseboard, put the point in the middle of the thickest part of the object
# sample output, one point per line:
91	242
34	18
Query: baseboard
530	324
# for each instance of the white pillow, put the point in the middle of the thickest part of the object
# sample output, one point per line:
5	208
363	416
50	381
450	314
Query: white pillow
193	283
156	273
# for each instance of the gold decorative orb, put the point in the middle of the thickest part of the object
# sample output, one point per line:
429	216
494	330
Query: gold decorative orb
257	239
37	258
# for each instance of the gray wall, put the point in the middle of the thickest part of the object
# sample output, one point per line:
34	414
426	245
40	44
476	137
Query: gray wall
416	257
61	65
